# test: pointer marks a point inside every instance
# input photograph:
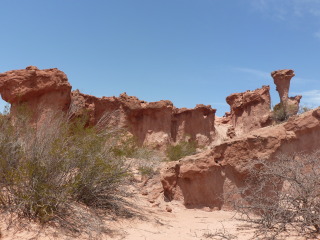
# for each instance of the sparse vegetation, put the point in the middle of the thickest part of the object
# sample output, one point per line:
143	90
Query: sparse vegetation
46	167
147	161
180	150
282	196
219	234
126	146
282	112
279	114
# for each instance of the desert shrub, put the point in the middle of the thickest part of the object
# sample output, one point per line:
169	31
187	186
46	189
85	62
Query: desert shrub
146	170
126	146
147	160
98	171
46	166
282	195
182	149
31	177
281	112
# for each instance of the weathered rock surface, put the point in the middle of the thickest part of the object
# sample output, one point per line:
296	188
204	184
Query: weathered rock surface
196	123
155	124
282	80
250	110
202	180
39	90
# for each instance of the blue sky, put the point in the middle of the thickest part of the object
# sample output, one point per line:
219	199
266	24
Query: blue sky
186	51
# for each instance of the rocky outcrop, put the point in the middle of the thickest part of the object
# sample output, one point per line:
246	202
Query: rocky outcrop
39	90
250	110
203	179
154	124
282	80
150	123
197	123
98	110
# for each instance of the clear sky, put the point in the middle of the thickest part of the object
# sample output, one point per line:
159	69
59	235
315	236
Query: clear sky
186	51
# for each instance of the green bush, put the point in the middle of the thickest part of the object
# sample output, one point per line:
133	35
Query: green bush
182	149
125	147
146	170
45	167
279	113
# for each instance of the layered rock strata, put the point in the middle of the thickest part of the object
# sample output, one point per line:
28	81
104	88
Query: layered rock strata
155	124
202	180
249	110
40	90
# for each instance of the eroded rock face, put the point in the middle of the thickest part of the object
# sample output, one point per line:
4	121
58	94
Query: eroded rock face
154	124
149	122
40	90
197	123
250	110
282	80
203	179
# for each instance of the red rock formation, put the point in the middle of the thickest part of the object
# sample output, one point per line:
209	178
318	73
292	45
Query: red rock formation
226	119
202	180
149	123
250	110
197	123
155	124
105	108
282	80
39	90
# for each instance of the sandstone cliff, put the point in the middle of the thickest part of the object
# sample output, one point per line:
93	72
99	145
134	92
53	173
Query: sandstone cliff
202	180
154	124
40	90
250	110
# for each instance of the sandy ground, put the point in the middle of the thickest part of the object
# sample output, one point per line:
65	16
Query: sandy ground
183	224
153	219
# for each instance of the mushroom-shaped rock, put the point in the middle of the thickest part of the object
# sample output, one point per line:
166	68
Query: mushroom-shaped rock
282	80
39	90
19	86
